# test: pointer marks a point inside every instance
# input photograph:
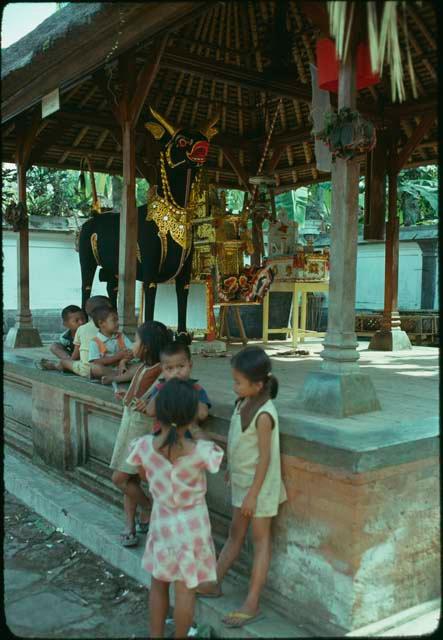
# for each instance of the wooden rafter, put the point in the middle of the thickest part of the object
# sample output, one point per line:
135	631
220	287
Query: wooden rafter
423	128
232	74
239	170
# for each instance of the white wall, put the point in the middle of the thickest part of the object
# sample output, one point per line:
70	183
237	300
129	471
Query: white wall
371	273
55	280
54	271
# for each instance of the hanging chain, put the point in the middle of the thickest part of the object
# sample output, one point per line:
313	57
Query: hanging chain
265	151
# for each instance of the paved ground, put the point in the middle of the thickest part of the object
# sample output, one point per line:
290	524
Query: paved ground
56	588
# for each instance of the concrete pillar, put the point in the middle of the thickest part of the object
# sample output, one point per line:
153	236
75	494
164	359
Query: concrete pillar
340	389
23	334
429	248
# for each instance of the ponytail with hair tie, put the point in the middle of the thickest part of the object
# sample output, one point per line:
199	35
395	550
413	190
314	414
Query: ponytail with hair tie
254	363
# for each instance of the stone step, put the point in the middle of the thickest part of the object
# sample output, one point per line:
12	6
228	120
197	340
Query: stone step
420	620
96	524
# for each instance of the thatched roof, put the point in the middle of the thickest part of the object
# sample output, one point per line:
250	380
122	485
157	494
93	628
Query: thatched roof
223	58
45	37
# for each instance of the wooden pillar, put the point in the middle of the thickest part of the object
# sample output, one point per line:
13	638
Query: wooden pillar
127	263
390	337
340	389
23	334
135	90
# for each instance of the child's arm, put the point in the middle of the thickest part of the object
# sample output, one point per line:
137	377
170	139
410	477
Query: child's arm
264	431
76	352
141	473
203	411
109	360
150	408
203	404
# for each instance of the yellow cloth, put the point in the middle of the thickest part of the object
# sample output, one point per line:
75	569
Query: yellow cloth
81	369
243	455
83	337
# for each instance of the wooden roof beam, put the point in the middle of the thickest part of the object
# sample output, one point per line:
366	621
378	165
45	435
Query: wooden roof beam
238	76
317	13
239	170
423	128
145	80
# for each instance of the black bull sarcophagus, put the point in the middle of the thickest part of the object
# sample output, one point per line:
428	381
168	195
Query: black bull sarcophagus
165	246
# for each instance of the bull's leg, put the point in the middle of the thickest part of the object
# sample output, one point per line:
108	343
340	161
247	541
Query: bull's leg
88	273
182	282
88	264
112	289
150	289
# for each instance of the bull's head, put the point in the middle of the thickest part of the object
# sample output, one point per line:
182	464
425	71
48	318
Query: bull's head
183	147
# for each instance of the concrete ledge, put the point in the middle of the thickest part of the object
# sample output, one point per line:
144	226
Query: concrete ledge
96	525
351	445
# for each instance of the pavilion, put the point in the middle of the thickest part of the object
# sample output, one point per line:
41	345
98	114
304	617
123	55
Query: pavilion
188	59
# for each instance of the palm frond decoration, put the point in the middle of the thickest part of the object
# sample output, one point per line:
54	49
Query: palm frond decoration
384	42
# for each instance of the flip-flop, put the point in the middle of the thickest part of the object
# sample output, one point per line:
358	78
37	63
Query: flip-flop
129	539
142	527
240	619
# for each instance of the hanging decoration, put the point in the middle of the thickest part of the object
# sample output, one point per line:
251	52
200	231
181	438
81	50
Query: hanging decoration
347	134
327	65
383	38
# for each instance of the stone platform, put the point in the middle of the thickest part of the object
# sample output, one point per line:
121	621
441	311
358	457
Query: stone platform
358	539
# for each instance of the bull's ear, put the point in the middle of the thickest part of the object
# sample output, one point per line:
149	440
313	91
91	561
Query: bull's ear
156	129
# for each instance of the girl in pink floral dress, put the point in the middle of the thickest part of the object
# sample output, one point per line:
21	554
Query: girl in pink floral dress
179	547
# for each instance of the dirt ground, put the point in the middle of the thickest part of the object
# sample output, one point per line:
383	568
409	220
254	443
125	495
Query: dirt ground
56	588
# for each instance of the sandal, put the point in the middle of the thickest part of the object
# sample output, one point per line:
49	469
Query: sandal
142	527
239	619
129	539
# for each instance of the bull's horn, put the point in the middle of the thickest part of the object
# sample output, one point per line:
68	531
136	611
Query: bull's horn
162	120
207	128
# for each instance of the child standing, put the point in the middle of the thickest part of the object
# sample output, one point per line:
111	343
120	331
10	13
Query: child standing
79	362
255	476
72	317
176	362
150	338
109	346
179	547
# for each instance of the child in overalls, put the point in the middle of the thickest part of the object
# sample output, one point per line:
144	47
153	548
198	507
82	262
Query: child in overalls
109	346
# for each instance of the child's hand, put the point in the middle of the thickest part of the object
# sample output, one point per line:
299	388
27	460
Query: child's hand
139	405
123	366
119	395
249	506
126	354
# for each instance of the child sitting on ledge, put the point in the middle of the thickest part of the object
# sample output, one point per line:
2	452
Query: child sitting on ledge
78	363
73	317
109	347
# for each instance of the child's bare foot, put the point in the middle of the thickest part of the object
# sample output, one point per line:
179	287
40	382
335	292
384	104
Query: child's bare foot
107	379
48	365
209	590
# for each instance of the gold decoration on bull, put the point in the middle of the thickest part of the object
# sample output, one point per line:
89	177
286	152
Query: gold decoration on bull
168	215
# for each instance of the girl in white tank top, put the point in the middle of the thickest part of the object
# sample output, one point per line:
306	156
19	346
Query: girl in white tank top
254	472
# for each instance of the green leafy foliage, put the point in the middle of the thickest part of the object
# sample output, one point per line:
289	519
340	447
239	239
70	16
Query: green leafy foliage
52	192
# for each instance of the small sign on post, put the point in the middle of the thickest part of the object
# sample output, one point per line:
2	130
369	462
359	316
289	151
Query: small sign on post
50	103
